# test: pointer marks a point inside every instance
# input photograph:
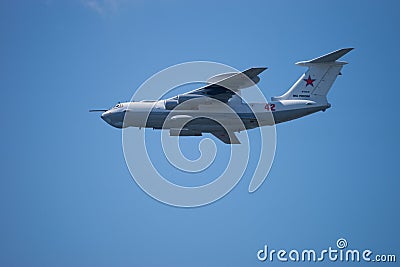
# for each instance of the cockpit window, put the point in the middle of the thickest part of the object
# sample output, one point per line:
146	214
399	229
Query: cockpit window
119	105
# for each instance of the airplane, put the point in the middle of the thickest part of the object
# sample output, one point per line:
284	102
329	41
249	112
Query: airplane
199	111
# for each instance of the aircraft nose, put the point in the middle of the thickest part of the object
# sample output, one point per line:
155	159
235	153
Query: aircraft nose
114	119
106	117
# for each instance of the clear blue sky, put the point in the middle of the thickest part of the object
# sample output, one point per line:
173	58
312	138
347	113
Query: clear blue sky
66	195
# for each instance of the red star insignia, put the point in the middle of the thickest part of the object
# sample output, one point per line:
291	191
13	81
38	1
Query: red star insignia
309	81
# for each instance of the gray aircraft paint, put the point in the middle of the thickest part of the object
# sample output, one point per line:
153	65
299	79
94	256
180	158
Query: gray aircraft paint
308	95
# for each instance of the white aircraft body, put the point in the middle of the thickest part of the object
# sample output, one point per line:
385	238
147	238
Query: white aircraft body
200	111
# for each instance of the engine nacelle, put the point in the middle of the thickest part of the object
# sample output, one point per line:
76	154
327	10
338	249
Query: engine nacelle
171	104
186	97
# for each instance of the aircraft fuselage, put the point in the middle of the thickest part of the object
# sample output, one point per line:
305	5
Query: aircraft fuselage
154	114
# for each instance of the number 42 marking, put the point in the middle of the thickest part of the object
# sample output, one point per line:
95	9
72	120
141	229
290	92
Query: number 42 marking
270	107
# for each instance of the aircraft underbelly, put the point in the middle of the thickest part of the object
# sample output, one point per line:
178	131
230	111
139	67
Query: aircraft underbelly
287	115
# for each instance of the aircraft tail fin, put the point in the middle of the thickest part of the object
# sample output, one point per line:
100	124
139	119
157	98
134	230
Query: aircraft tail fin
315	83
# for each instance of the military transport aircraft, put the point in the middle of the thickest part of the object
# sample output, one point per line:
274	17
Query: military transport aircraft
198	111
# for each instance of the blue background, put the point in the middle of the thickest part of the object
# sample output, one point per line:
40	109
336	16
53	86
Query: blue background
66	195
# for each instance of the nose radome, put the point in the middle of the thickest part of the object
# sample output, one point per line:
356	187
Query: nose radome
113	118
106	117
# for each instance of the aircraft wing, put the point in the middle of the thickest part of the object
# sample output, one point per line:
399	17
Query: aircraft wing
223	86
227	138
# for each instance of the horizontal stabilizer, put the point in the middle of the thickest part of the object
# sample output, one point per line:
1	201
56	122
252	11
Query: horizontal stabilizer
328	58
